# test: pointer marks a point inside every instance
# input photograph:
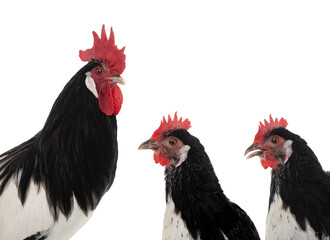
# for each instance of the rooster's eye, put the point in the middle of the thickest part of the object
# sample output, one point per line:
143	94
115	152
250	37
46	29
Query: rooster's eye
275	140
173	142
98	71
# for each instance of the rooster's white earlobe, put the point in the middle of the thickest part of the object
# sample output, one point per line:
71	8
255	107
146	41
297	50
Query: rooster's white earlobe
90	84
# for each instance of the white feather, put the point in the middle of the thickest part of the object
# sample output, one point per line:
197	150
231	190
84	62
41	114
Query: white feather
174	228
66	228
19	221
281	224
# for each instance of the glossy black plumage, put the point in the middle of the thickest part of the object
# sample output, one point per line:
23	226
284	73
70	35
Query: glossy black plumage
303	185
197	195
36	236
75	154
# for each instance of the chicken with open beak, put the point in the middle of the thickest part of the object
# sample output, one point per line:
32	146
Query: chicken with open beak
268	146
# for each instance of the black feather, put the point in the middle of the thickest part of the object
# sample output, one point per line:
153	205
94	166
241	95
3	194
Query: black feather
303	185
75	154
37	236
197	195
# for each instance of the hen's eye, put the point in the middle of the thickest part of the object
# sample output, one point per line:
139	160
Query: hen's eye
173	142
98	71
275	140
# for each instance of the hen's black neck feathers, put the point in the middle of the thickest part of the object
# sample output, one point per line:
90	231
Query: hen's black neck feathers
75	154
197	195
303	185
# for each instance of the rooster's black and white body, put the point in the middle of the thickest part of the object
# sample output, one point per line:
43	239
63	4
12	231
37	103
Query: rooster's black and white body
51	184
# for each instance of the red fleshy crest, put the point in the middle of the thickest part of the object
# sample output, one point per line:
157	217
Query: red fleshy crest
268	126
105	50
170	124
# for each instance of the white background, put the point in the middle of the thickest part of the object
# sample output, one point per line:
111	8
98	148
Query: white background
225	65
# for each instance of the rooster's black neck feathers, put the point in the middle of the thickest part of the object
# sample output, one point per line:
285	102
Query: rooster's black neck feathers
302	185
74	155
197	195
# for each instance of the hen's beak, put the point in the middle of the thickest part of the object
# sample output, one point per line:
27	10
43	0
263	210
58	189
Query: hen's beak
256	151
149	144
117	79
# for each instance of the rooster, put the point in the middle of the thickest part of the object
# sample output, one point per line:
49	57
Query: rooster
51	184
196	207
300	189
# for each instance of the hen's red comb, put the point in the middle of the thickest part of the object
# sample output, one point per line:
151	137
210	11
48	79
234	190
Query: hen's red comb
170	124
105	50
268	126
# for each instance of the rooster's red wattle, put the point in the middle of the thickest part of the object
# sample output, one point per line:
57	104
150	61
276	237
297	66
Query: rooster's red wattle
50	184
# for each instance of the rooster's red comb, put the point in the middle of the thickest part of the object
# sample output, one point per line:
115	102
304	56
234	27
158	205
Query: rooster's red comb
169	125
105	50
268	126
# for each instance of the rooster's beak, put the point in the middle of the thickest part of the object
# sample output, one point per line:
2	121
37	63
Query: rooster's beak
149	144
117	79
258	151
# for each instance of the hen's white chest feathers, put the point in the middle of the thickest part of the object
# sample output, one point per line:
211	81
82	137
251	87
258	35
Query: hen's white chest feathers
174	228
282	225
